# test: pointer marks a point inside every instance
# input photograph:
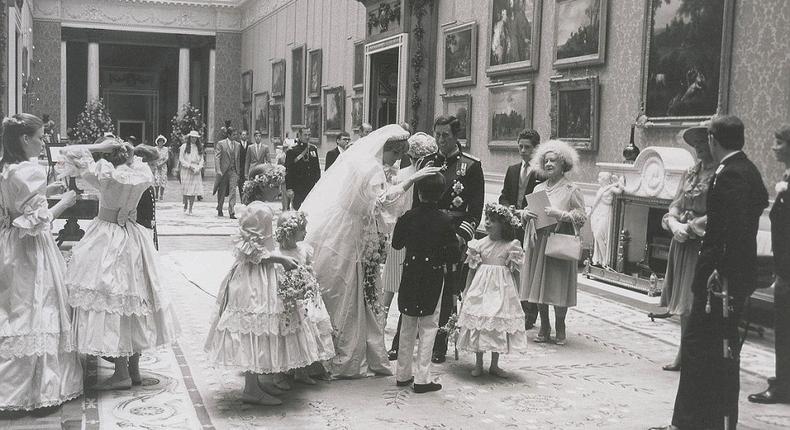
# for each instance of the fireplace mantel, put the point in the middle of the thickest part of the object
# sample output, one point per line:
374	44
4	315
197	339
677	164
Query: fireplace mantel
656	173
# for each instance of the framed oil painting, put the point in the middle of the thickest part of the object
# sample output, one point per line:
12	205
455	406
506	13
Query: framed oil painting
686	64
312	115
514	36
297	85
460	107
246	118
579	33
460	55
246	86
278	78
276	123
357	104
260	109
314	59
334	112
510	111
574	112
359	65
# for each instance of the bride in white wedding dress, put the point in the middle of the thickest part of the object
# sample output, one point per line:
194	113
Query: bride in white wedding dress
351	212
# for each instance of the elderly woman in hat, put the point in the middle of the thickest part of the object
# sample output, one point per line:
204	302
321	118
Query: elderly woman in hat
159	167
191	161
686	221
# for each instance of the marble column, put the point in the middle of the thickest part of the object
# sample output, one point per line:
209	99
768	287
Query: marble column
63	86
183	78
212	85
93	71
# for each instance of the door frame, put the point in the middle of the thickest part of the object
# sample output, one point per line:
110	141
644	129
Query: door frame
400	42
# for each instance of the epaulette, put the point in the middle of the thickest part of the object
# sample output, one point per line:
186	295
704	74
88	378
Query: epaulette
470	156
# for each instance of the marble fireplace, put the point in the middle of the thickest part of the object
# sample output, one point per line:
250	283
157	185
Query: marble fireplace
637	247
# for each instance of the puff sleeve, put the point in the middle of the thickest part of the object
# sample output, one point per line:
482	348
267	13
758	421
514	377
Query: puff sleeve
30	183
473	257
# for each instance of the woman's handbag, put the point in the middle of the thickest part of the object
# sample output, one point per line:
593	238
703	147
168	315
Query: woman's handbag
564	246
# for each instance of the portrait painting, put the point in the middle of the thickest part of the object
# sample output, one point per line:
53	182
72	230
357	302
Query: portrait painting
359	65
460	55
246	117
510	111
574	111
314	58
686	75
246	86
278	78
276	123
357	104
312	114
579	33
460	106
297	85
260	107
514	36
334	115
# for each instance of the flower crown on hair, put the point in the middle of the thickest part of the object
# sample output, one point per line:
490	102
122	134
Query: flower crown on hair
270	176
505	213
291	223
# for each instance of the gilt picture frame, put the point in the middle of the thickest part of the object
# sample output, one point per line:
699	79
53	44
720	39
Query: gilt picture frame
460	55
579	33
298	58
276	123
357	104
510	111
460	106
260	108
246	87
278	78
312	115
518	53
315	65
574	111
334	110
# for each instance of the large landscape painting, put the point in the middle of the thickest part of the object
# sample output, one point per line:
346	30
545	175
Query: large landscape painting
579	32
510	112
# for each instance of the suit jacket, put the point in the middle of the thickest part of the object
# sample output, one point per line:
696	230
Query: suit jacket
780	234
226	162
428	235
243	159
463	198
736	199
509	196
302	174
331	156
256	156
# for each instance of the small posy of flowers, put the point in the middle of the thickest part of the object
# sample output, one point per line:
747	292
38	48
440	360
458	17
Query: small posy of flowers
272	176
294	222
781	187
494	210
294	286
374	254
451	329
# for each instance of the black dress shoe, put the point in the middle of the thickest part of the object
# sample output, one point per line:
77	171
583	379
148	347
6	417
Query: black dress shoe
438	359
427	388
392	354
669	427
232	216
770	396
529	325
404	383
219	212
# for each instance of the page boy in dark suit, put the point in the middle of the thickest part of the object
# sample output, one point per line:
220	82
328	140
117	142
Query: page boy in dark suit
431	245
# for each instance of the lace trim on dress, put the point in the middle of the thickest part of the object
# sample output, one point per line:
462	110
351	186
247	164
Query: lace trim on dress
237	320
250	247
44	404
100	301
498	324
35	344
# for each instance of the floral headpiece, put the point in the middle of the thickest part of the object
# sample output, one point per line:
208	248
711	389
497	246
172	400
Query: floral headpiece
289	224
270	176
505	213
421	144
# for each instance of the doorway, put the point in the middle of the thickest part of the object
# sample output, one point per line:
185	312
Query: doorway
384	88
128	128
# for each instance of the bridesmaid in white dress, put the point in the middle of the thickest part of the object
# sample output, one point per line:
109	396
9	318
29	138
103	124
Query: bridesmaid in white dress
114	281
191	161
39	367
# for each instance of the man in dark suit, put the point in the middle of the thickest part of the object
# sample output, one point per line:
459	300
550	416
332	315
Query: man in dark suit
343	140
520	180
226	164
244	143
302	169
707	395
779	386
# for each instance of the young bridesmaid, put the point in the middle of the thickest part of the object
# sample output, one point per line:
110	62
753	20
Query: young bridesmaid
251	330
39	368
491	318
120	305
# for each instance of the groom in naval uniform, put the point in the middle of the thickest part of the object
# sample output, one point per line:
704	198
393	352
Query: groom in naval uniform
462	199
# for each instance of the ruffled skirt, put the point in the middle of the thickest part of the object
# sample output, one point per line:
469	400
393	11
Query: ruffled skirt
116	289
252	332
491	318
38	364
191	183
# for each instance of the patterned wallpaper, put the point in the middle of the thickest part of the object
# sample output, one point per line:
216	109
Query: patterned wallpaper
227	97
45	68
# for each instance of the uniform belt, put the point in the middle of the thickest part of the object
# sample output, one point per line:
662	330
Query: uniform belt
115	216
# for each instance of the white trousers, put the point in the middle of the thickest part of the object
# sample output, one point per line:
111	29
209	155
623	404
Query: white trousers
411	328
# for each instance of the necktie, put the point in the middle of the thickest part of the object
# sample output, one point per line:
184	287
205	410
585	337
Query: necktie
522	186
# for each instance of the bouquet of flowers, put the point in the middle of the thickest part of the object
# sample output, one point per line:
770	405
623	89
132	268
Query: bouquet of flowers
296	285
374	255
93	122
268	181
452	330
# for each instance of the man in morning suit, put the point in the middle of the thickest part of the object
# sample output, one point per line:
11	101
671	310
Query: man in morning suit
778	390
343	141
257	153
302	169
520	180
707	395
227	166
